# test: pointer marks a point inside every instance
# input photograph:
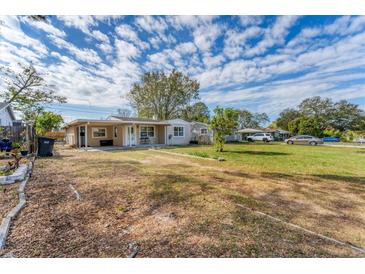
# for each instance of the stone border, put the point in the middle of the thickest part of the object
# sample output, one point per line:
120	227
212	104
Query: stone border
6	222
18	175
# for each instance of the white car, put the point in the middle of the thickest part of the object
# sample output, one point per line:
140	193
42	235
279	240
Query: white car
265	137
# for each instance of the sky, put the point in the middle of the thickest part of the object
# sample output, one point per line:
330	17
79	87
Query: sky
260	63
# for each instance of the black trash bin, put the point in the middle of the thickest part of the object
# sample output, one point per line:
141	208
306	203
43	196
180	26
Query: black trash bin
45	146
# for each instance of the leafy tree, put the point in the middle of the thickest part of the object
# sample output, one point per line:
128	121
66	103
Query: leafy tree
163	96
222	124
198	112
347	116
27	91
286	116
247	119
47	121
310	126
293	126
316	107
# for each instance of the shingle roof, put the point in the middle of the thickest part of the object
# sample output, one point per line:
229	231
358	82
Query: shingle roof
122	118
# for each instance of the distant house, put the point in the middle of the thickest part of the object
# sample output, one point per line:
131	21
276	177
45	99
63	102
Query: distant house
7	116
241	134
128	131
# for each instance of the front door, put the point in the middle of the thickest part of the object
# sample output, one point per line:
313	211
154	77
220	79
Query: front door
130	136
82	136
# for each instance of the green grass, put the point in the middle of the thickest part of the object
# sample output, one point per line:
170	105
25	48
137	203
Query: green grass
276	157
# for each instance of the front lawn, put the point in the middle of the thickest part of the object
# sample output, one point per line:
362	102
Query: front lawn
176	206
288	159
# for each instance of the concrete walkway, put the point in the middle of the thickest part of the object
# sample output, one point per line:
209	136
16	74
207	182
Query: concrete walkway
113	148
350	146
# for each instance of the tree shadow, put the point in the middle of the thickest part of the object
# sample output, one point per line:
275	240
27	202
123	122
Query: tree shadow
340	178
263	153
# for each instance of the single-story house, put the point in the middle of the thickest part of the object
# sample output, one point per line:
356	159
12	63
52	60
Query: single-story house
241	134
127	131
7	116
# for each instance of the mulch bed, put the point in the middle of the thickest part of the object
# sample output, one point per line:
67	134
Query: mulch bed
8	198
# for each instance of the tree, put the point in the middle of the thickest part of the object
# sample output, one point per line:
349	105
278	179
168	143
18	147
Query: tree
198	112
27	89
47	121
286	116
27	92
124	112
305	125
163	96
347	116
222	124
246	119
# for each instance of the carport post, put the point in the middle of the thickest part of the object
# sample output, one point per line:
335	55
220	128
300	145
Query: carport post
86	137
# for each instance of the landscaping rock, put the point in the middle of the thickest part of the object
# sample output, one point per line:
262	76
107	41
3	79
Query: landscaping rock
221	159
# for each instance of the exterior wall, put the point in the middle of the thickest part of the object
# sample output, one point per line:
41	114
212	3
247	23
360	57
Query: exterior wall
5	118
196	131
161	134
118	140
95	142
175	140
71	136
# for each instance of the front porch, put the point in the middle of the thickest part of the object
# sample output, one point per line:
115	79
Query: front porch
114	148
117	135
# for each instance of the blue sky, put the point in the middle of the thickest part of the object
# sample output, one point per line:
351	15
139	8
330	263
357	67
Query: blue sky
261	63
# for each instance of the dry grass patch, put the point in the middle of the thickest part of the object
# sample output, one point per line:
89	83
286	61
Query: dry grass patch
175	207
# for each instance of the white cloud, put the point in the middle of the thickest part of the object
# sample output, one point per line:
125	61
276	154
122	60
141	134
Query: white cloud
126	32
81	22
248	20
86	55
46	27
98	35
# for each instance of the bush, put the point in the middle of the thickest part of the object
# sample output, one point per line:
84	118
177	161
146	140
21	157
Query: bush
199	154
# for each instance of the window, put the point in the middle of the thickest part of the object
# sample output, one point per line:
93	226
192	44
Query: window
178	131
259	134
147	131
99	132
203	131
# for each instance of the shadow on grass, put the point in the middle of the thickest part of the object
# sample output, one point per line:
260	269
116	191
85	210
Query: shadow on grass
175	189
263	153
349	179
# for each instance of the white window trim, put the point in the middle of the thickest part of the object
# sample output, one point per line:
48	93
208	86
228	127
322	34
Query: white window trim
140	131
203	133
99	137
173	129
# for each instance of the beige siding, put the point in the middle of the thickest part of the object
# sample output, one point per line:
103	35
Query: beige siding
118	140
95	142
71	136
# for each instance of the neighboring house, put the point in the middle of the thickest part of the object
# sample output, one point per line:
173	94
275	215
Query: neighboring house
127	131
7	116
181	132
241	134
278	134
200	132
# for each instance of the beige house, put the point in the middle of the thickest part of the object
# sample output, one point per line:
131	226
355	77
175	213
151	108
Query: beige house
116	131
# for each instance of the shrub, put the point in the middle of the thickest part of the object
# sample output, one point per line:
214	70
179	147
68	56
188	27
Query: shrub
199	154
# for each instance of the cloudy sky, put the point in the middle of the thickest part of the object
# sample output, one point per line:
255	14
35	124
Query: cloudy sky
260	63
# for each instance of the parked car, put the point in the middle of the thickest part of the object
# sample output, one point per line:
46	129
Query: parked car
304	140
360	140
265	137
331	139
